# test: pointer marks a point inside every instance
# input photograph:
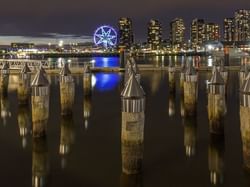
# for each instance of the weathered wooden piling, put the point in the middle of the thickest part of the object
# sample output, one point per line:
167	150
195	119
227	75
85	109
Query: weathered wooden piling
4	84
182	75
132	135
244	70
24	123
216	103
67	138
87	80
40	162
127	73
5	108
130	67
4	80
40	104
136	70
123	58
245	121
171	76
23	90
67	90
223	71
216	151
190	90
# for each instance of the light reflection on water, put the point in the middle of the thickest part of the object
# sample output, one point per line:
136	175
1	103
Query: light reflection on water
105	81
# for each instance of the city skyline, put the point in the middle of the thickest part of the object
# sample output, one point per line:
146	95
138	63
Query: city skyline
82	18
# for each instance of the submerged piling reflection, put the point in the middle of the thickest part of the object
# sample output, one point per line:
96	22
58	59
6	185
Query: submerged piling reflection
67	138
40	162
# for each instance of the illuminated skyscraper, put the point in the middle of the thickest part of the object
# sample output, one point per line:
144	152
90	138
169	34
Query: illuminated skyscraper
177	29
212	32
126	37
197	33
228	29
242	25
154	34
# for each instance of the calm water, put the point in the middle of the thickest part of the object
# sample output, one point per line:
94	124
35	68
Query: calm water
94	146
157	61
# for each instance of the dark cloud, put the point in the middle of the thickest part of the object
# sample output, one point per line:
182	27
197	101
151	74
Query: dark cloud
32	17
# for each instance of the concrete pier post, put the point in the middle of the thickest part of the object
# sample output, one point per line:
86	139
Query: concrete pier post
190	90
245	121
24	123
216	103
40	104
87	80
216	151
67	138
132	135
40	162
23	90
67	90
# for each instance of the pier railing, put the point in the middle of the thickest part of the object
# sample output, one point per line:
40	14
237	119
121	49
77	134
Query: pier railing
19	63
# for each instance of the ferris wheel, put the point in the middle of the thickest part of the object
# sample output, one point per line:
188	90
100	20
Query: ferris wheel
105	36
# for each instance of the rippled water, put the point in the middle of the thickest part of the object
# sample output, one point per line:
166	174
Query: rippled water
93	144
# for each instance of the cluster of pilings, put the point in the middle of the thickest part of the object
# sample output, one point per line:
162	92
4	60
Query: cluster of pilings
132	135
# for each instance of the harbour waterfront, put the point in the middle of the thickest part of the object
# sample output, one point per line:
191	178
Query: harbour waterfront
93	155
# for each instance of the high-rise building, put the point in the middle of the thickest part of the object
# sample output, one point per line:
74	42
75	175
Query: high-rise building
212	31
177	30
126	37
197	35
154	34
242	25
228	28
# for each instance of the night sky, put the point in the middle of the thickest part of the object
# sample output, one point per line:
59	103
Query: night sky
81	17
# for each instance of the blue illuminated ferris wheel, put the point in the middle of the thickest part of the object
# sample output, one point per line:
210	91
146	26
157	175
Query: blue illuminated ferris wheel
105	36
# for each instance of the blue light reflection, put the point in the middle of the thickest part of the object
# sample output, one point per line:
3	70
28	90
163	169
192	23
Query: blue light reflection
106	61
106	81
